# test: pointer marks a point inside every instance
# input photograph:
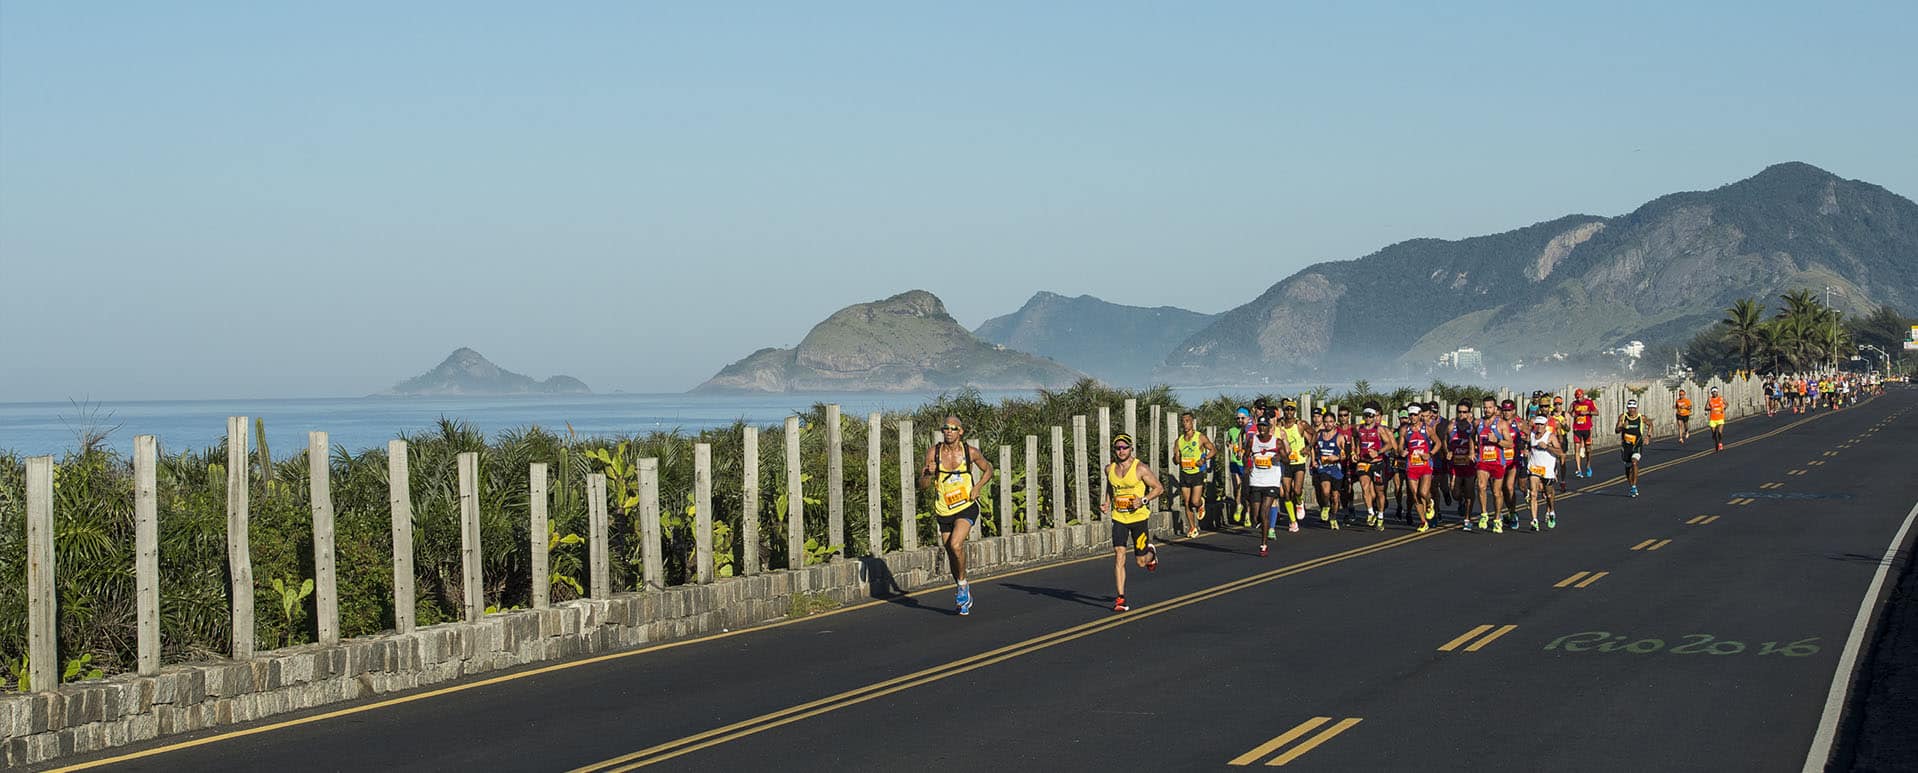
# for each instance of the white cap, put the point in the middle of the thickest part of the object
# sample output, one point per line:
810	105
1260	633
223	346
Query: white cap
1631	403
1541	420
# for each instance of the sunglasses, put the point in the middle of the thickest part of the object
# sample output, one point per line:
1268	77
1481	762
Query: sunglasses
1121	448
952	428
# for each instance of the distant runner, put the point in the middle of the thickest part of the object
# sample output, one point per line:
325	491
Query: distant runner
955	502
1292	434
1545	456
1330	451
1715	407
1684	406
1495	443
1461	443
1584	415
1235	459
1195	456
1130	486
1266	475
1634	432
1421	444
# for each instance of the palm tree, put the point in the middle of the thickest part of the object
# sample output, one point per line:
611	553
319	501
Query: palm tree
1771	343
1742	322
1799	303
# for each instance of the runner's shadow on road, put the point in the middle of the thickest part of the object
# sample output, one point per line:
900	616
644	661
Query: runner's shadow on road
1061	594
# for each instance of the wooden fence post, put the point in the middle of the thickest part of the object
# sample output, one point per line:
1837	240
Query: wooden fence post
326	598
146	551
599	583
239	554
399	505
749	496
399	500
43	624
1060	505
652	553
875	512
539	535
703	510
471	582
795	500
835	483
1082	504
908	485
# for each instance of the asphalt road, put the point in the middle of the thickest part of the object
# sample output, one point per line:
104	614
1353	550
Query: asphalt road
1696	627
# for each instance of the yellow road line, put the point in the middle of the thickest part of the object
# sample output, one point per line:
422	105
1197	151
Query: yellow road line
1259	752
1815	463
1710	518
1480	644
1313	742
1643	545
1454	644
1795	472
1695	520
1587	582
737	730
1660	544
1572	579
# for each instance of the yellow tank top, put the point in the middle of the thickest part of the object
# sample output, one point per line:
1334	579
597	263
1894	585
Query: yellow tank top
1191	451
1294	443
1128	494
952	490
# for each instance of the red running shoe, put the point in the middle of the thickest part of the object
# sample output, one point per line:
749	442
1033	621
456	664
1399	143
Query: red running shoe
1152	565
1118	605
1261	551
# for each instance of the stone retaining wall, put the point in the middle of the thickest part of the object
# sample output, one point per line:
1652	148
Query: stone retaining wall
127	708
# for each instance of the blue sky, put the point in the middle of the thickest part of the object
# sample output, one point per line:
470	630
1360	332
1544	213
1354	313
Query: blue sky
207	200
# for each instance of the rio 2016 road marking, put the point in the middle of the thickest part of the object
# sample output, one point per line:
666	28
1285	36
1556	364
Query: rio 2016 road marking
1690	644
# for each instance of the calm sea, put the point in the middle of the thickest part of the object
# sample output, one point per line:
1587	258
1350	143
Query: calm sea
368	422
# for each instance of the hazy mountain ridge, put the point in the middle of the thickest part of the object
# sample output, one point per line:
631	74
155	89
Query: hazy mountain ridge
904	343
1576	283
466	372
1113	342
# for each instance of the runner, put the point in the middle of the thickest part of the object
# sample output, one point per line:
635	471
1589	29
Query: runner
1461	442
1420	444
1494	443
1441	460
1545	456
1684	405
1562	427
1374	442
1634	433
1715	416
1235	459
1404	501
1584	415
1195	457
1346	426
955	503
1771	397
1513	456
1130	487
1292	434
1267	475
1328	470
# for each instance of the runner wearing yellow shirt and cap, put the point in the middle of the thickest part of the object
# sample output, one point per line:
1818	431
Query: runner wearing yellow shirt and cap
1130	486
1195	457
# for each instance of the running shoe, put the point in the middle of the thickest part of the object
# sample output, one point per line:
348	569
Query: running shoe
1634	491
1152	565
1551	520
1498	525
1424	526
1482	521
1118	604
1261	551
964	599
1466	524
1378	524
1293	527
1535	525
1721	446
1335	524
1193	533
1271	533
1324	515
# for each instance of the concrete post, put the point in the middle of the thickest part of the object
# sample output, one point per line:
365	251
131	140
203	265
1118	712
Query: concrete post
875	513
795	500
326	599
239	554
1105	458
1005	490
1060	505
146	552
598	547
471	581
703	511
749	501
1132	418
1151	455
976	533
43	624
908	495
539	535
652	553
1032	483
1081	498
835	483
399	500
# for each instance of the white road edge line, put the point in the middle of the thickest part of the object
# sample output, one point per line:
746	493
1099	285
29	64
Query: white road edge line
1821	743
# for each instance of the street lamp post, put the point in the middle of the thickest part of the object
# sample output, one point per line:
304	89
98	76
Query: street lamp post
1881	353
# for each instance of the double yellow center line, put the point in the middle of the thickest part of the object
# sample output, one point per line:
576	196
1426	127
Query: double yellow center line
768	721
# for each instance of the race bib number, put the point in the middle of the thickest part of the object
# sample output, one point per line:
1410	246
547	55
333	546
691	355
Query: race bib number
1631	439
1123	502
954	493
1418	457
1262	462
1488	453
1365	466
1539	470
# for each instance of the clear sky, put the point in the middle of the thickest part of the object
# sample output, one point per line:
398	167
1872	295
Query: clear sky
246	199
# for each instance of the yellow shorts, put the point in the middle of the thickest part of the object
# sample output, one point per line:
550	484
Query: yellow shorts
1715	423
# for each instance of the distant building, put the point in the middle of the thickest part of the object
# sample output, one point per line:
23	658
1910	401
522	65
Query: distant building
1468	358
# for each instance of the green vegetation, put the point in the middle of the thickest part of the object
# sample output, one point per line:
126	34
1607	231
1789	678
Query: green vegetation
94	517
1803	335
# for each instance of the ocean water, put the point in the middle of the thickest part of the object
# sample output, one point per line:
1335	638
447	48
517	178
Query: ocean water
359	423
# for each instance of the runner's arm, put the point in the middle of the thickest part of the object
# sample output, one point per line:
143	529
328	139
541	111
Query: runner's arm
980	488
1152	487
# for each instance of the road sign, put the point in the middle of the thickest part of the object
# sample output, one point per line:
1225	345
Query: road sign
1911	346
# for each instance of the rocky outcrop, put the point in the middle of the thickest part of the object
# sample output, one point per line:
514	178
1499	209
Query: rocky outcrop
465	372
1115	343
906	343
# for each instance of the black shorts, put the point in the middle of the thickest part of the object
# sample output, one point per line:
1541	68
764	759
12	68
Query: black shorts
1255	493
971	513
1191	479
1625	453
1582	435
1130	534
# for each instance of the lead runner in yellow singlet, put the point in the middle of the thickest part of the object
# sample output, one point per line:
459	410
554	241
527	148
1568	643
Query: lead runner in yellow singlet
1130	484
955	500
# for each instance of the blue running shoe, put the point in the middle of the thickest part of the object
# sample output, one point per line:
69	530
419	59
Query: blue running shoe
964	599
1634	491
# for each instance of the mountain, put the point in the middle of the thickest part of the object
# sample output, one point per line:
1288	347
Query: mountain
1116	344
465	372
1577	284
906	343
